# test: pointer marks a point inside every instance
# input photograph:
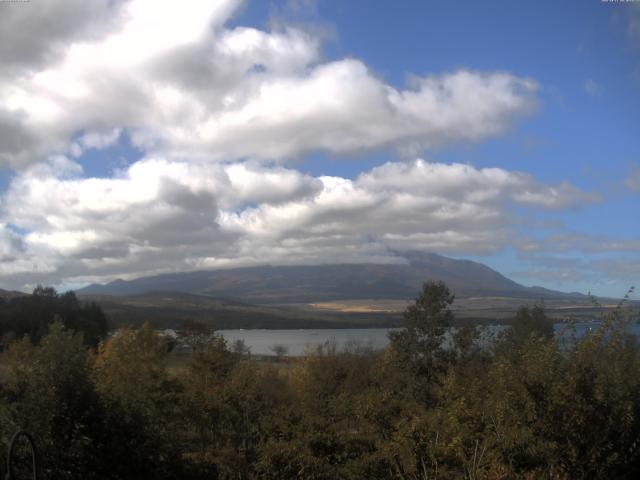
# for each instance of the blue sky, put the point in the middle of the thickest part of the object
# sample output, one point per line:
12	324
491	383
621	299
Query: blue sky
588	137
269	132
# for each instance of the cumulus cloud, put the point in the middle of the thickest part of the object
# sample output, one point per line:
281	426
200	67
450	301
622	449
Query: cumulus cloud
626	269
220	114
633	20
632	180
94	140
11	244
340	107
579	242
164	215
465	183
30	37
592	88
553	275
615	273
182	81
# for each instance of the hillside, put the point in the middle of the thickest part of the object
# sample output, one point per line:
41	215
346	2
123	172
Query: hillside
269	285
169	309
9	294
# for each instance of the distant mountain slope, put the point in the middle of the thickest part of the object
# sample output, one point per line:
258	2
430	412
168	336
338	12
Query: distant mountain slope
315	283
169	309
8	294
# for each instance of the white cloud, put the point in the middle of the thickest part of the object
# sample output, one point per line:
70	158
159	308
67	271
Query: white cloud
181	81
163	215
580	242
592	87
633	24
218	111
35	33
11	244
613	273
465	183
340	107
98	140
632	180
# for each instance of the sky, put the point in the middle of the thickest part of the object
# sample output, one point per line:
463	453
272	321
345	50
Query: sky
140	137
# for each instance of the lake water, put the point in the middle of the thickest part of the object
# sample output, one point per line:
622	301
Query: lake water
297	342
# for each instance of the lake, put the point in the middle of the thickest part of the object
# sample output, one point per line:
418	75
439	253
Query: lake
298	341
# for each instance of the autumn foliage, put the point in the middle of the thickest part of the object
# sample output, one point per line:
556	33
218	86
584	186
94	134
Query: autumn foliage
436	404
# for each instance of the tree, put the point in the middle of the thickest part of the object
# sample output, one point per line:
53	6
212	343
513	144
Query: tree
208	372
430	316
279	350
131	376
31	315
567	410
130	368
418	348
240	347
49	391
194	333
528	322
212	362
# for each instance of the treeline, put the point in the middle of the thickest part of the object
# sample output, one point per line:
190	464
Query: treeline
31	315
521	405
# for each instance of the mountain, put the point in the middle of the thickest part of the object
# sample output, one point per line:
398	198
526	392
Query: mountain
317	283
9	294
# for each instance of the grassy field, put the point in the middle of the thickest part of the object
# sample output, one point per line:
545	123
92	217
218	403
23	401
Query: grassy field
168	310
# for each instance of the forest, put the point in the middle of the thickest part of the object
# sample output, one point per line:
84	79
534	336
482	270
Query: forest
523	404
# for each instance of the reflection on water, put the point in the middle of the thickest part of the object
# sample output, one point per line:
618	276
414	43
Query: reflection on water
296	342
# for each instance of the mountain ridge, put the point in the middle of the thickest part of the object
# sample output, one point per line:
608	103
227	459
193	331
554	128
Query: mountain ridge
269	284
